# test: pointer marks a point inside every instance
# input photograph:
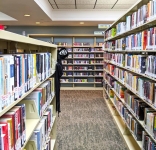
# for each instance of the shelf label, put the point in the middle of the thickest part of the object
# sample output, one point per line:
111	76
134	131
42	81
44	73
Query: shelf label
98	32
103	26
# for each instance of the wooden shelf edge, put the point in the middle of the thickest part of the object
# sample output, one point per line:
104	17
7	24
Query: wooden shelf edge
129	139
81	88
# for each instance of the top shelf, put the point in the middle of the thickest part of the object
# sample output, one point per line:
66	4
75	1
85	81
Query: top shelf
64	35
134	8
59	46
137	29
9	36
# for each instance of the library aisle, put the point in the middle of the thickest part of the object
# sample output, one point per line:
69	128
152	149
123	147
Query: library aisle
85	123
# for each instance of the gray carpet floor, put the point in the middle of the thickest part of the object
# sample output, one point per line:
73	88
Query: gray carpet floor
85	123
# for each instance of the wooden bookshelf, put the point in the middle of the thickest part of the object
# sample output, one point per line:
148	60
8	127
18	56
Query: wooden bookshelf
112	47
122	126
68	41
10	41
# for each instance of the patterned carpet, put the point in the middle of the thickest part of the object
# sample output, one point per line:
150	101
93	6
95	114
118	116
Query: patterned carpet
85	123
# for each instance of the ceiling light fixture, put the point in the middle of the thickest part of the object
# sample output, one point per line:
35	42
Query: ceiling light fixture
81	22
37	22
26	15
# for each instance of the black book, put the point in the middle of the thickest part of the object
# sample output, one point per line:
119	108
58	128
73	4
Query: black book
143	64
138	131
42	68
141	110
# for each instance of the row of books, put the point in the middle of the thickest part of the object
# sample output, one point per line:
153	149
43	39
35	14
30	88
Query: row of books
13	128
41	134
82	73
144	64
77	44
144	14
98	80
64	80
83	56
144	40
42	95
117	58
80	80
88	49
81	44
82	61
142	112
143	86
82	67
87	55
88	62
19	73
13	123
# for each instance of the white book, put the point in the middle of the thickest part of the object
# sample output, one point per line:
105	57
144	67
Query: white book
43	121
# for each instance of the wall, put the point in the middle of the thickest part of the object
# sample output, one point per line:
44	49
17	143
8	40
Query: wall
53	29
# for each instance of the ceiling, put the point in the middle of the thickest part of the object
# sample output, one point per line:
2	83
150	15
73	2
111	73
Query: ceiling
62	12
91	4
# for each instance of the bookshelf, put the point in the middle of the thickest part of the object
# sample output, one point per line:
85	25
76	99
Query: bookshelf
129	74
85	51
28	94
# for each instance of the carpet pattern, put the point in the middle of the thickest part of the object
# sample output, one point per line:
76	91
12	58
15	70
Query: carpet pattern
85	123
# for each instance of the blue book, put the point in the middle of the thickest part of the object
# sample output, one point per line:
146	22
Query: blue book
153	146
37	134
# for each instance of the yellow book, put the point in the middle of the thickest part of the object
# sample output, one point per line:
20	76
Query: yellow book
134	83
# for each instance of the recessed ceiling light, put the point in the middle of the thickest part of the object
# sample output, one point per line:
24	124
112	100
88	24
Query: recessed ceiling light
26	15
81	22
37	22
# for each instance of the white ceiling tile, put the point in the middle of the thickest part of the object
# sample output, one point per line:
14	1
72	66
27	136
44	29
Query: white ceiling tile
52	1
54	6
103	6
66	6
127	2
122	6
85	2
106	1
62	2
85	6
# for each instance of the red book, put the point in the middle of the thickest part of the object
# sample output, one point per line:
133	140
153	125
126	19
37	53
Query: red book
144	39
5	135
17	127
12	116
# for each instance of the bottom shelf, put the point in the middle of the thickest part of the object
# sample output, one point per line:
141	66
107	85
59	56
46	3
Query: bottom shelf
81	88
129	139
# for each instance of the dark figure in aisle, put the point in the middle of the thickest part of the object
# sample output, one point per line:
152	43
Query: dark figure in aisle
61	54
